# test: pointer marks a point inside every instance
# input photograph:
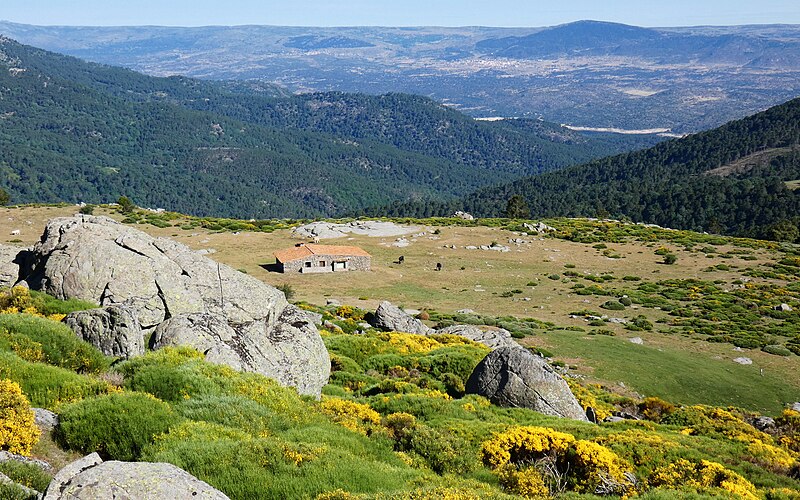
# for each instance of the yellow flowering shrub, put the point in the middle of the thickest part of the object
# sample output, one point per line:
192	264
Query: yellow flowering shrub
523	445
358	417
703	476
23	346
595	465
18	432
587	466
408	343
349	312
587	399
642	449
301	453
769	456
788	425
19	300
526	482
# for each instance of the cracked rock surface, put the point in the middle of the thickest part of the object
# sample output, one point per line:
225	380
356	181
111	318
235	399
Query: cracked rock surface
516	378
186	297
91	478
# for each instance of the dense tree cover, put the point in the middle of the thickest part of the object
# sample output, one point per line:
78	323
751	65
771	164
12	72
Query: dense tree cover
74	131
670	184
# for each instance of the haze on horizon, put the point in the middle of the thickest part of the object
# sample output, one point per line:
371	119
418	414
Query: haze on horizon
510	13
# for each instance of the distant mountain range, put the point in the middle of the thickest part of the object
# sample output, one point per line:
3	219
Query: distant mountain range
74	131
740	178
588	74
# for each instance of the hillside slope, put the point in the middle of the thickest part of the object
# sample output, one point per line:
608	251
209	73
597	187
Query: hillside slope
669	184
75	131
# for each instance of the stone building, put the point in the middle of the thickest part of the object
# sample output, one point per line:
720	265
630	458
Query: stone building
313	258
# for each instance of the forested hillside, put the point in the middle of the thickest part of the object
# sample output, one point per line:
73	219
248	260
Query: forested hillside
735	179
74	131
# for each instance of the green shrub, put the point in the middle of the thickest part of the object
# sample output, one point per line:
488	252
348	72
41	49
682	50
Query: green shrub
670	258
48	386
625	301
58	343
442	451
47	304
554	277
777	350
170	382
30	475
232	411
612	305
117	426
14	492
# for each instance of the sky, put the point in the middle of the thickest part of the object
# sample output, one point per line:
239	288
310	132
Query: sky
397	12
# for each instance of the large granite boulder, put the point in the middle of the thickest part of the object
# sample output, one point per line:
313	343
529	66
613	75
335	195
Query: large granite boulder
391	318
493	339
89	478
98	259
9	269
114	329
516	378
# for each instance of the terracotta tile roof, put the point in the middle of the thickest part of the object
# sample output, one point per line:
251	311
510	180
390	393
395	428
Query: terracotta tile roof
304	251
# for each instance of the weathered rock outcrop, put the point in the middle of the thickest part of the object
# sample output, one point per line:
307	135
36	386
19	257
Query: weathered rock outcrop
114	329
9	270
91	478
391	318
514	377
98	259
493	339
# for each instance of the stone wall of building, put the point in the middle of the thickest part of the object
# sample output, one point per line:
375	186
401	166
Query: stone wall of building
327	264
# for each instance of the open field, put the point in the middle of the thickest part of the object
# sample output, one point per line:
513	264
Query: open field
671	363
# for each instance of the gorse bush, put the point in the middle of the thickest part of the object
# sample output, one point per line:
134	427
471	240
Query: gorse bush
703	477
55	342
117	426
49	386
18	432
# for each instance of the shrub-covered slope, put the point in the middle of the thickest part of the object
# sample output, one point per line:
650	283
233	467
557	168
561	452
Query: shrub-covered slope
394	423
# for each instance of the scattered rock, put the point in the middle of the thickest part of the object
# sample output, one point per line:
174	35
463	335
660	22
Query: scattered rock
618	321
463	215
516	378
114	329
401	243
45	420
333	302
7	456
613	419
465	311
539	227
391	318
636	340
328	230
91	478
784	308
743	361
315	318
99	259
795	406
493	339
764	423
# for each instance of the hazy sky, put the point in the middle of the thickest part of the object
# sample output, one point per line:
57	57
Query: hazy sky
398	12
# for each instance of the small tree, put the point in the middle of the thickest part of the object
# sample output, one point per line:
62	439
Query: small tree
517	208
5	199
87	209
126	205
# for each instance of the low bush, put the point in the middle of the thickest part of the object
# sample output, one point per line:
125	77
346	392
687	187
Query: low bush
30	475
777	350
612	305
57	342
49	386
117	426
